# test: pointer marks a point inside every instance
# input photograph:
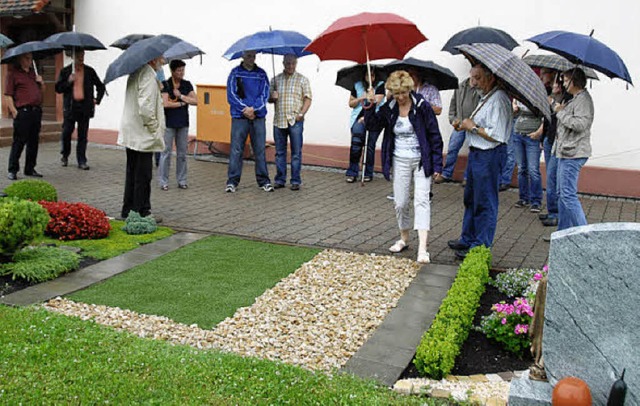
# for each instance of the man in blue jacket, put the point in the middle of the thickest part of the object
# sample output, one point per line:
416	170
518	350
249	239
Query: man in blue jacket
247	94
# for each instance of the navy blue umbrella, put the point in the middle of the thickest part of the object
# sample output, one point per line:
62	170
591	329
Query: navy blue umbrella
139	54
276	42
77	40
479	35
429	71
38	49
128	40
584	50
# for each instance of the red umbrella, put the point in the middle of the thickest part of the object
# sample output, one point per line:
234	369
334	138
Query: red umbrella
366	36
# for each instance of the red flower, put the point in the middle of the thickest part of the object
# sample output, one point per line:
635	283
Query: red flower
75	221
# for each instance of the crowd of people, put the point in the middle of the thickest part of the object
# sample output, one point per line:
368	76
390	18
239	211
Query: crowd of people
403	108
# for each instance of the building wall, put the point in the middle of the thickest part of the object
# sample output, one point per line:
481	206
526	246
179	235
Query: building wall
214	26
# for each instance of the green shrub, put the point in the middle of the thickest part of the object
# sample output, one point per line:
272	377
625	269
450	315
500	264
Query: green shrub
440	345
21	221
41	264
32	189
136	224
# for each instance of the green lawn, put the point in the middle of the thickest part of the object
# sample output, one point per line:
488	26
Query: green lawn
47	358
118	241
203	282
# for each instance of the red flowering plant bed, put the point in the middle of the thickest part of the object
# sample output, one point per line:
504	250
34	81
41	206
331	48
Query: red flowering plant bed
75	221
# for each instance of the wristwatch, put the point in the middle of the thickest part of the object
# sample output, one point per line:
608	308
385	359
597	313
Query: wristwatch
475	130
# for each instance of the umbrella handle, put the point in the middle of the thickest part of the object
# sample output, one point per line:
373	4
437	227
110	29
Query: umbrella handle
35	68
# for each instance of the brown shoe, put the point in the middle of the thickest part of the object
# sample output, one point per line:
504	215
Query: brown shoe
438	179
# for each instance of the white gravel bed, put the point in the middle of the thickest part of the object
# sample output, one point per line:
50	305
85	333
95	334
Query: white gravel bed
317	317
459	390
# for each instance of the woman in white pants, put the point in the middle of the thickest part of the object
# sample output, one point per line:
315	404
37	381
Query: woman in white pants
412	144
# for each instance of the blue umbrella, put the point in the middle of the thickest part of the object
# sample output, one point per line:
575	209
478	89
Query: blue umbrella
276	42
38	49
479	35
5	41
183	50
513	74
139	54
584	50
78	40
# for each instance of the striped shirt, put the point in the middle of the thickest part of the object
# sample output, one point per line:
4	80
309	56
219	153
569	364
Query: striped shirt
292	91
494	114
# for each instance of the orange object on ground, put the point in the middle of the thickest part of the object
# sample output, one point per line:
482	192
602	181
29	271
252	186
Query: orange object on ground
571	391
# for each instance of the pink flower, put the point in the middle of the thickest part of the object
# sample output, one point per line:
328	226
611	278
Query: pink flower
545	268
521	329
504	321
537	276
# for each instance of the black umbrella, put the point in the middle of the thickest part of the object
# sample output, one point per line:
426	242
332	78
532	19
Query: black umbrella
347	77
430	72
38	49
77	40
479	35
128	40
139	54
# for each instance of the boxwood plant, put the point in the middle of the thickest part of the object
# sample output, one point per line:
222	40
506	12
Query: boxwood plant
440	345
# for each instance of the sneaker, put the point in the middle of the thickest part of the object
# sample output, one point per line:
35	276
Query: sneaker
550	222
350	179
423	257
267	187
84	167
535	208
391	197
504	187
64	161
295	186
367	178
230	188
457	245
543	216
278	186
438	179
520	204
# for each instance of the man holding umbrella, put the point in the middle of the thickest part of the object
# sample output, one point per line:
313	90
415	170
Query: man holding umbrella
23	91
142	134
488	130
78	83
247	94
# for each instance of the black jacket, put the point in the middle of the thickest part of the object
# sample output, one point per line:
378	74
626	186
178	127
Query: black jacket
91	82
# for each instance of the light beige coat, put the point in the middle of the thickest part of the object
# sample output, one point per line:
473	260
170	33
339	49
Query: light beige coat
143	123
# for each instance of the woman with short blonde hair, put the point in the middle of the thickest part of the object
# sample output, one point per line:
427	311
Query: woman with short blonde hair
413	145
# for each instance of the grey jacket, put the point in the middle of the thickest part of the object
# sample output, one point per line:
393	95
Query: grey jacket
573	136
464	101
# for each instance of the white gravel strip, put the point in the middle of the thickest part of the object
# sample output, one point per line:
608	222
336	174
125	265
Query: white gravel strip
459	390
317	317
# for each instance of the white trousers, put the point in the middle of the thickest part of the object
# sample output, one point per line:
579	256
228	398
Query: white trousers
404	171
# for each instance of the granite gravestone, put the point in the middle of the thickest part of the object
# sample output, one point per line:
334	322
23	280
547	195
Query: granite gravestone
591	328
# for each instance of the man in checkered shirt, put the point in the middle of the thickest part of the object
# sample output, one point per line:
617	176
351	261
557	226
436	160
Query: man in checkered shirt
291	94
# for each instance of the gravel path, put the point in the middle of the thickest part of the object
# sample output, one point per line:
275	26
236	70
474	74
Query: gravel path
316	318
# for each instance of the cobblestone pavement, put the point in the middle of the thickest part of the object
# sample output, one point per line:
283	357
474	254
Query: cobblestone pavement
326	212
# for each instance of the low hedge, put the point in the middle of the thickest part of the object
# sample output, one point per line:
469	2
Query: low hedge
32	189
40	264
440	345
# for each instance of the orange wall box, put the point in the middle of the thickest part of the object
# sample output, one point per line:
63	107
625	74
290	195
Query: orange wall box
214	118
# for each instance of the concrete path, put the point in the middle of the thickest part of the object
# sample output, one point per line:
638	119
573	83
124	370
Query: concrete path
327	212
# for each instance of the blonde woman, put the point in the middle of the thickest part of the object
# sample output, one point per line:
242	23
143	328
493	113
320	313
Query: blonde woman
413	145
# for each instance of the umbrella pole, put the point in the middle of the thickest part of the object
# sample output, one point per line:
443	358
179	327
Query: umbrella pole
366	133
73	55
273	65
35	68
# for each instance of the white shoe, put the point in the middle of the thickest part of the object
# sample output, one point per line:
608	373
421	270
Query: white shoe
398	246
423	257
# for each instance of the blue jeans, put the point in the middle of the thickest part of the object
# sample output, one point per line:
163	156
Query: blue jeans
527	153
551	162
570	213
481	196
510	163
295	136
181	138
358	138
455	143
240	128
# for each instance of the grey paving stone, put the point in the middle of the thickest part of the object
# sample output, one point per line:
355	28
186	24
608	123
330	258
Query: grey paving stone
383	373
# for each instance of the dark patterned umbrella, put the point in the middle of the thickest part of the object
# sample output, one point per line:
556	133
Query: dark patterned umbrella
557	62
515	76
128	40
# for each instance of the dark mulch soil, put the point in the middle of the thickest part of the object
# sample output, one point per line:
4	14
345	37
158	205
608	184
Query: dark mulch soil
8	285
479	355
